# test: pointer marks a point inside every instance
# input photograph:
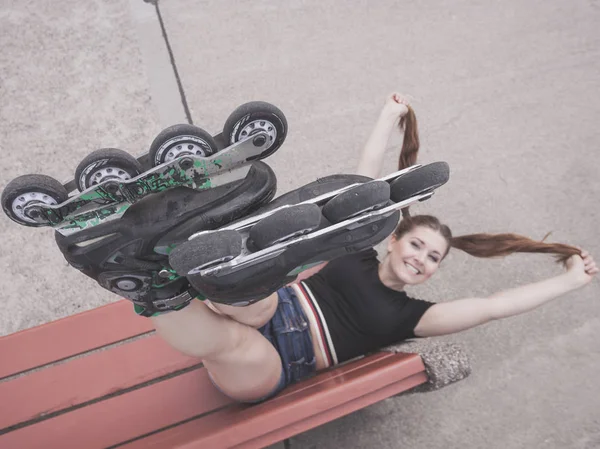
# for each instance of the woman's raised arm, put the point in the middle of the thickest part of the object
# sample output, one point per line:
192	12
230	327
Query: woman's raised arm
371	159
455	316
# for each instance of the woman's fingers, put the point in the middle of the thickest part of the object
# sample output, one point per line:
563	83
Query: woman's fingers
589	265
399	98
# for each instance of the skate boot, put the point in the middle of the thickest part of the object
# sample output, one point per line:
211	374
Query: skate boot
129	256
122	224
109	181
245	261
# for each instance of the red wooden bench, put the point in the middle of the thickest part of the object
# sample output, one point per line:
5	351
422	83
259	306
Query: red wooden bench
102	379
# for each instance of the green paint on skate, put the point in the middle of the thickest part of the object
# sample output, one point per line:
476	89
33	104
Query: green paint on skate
93	195
164	250
168	281
183	175
202	166
123	208
173	177
99	194
302	268
206	184
94	218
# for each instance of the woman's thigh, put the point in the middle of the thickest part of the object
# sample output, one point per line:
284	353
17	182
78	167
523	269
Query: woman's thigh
241	361
250	371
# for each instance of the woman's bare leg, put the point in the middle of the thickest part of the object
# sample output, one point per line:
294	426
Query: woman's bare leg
241	361
255	315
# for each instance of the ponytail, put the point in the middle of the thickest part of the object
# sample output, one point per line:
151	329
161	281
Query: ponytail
486	245
498	245
410	144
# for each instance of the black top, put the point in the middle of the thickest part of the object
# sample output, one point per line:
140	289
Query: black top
361	313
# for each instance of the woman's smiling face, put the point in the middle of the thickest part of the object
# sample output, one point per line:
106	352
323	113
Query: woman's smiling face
417	255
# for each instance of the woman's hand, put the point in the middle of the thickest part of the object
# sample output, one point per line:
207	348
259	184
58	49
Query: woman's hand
582	268
395	105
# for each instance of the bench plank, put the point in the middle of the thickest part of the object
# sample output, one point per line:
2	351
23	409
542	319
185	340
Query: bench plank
321	417
87	378
70	336
123	417
328	396
145	410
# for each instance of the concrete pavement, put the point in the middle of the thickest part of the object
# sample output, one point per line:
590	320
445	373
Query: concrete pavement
505	92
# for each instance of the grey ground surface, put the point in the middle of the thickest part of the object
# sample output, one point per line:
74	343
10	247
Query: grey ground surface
505	91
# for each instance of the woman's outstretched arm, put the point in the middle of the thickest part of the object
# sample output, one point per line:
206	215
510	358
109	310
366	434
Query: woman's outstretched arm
371	158
462	314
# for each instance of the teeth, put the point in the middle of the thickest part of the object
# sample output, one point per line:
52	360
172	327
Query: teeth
411	268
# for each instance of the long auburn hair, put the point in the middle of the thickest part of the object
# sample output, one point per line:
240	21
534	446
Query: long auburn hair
478	245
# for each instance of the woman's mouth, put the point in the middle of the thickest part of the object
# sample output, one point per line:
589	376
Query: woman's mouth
412	268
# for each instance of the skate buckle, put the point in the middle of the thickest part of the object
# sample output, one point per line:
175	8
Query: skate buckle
169	303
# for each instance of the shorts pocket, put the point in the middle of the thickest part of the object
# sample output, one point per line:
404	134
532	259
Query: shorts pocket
301	369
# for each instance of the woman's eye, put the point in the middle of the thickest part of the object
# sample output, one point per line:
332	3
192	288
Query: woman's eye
414	244
435	259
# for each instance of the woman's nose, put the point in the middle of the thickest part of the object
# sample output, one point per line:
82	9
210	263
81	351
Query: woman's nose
421	257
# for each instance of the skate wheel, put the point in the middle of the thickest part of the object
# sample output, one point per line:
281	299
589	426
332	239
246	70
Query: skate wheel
362	198
181	140
31	189
285	224
253	117
105	164
206	250
421	180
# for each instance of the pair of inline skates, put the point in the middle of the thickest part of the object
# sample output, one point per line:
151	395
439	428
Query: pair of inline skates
195	216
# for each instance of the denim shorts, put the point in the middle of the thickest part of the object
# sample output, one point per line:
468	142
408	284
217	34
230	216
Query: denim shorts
289	333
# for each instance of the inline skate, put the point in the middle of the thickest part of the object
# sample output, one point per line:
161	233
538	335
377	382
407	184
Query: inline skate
125	215
245	261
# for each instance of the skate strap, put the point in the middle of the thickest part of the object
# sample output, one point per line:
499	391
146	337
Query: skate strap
153	308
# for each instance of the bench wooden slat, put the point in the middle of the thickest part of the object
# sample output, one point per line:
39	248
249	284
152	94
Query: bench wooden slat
123	417
295	411
336	393
322	417
84	379
169	402
70	336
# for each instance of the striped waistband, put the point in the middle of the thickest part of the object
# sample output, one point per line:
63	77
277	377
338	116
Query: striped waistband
316	317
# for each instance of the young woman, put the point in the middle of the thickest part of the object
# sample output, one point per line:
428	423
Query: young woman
357	304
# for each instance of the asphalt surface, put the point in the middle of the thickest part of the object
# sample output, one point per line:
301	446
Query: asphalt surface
505	91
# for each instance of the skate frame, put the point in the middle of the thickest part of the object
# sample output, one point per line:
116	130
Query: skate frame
110	199
248	258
